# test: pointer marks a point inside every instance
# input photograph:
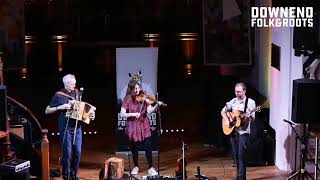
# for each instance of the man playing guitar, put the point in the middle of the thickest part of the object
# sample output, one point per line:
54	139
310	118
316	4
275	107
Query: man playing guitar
240	136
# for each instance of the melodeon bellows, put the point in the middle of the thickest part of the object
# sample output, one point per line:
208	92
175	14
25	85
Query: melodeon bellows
80	111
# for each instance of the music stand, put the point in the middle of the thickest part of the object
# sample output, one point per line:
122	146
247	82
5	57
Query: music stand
301	172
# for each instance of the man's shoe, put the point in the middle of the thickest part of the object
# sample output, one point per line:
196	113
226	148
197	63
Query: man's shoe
152	172
135	170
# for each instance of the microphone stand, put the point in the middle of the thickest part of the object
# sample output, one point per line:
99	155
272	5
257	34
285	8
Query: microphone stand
302	172
75	127
183	160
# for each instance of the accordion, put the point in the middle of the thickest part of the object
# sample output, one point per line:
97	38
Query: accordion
80	111
113	168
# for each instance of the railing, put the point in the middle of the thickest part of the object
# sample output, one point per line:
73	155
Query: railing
45	155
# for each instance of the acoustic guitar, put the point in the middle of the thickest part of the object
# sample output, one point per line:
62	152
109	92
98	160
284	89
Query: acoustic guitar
235	119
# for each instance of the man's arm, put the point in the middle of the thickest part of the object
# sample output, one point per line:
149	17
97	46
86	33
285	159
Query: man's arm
224	110
50	110
251	107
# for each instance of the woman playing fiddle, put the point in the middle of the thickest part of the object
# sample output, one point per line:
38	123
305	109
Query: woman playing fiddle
135	107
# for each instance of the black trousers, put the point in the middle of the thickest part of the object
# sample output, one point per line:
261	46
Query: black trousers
148	151
238	143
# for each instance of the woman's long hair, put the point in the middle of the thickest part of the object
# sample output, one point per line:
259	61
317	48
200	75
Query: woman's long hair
130	90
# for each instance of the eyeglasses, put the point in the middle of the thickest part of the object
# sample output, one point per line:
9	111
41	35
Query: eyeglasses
238	91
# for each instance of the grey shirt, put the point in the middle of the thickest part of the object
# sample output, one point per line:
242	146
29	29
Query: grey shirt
238	105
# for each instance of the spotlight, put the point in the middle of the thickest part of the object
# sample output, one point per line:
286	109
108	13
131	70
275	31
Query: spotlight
172	130
84	132
182	130
89	132
52	134
58	134
95	132
167	130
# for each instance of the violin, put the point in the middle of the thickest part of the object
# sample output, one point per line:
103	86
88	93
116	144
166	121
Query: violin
150	99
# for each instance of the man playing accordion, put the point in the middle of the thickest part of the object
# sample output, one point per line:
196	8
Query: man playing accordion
69	128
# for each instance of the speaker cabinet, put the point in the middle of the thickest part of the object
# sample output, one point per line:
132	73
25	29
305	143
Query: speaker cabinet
305	101
261	141
23	175
3	108
308	38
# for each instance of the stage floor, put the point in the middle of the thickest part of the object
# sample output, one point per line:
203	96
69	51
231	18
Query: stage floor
212	161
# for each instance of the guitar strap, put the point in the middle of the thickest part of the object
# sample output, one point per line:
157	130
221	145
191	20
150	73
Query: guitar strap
246	105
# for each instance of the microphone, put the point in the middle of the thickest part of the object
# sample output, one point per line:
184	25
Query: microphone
290	122
80	93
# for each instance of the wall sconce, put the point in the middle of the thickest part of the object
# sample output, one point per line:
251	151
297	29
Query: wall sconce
59	39
188	68
188	43
24	73
28	42
152	39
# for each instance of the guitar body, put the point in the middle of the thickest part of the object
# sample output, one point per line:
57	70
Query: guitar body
233	121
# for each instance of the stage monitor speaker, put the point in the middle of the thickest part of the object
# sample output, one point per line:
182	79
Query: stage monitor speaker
16	169
305	101
3	108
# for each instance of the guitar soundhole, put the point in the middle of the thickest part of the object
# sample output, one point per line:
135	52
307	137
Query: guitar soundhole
231	124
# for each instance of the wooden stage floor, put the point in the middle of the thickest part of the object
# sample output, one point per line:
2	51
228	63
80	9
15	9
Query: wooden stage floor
212	162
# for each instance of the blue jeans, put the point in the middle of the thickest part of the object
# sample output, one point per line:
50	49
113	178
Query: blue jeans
71	153
238	143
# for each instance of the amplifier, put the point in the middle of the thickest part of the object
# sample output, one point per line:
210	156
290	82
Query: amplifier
15	165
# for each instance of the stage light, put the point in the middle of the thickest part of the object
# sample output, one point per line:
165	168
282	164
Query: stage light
89	132
172	130
95	132
52	134
182	130
84	132
167	130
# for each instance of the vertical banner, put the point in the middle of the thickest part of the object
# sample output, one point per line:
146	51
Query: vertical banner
12	33
138	62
